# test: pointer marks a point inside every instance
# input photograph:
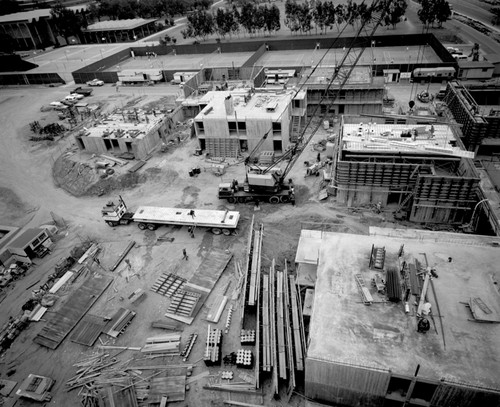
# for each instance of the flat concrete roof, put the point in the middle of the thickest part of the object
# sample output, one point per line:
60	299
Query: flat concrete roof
378	55
115	25
185	62
359	76
29	16
382	138
255	107
119	125
382	335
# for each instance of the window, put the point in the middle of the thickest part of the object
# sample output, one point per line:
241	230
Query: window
200	126
485	70
242	126
296	103
232	126
276	126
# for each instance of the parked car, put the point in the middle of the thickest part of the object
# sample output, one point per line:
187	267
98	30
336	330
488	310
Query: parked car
78	96
71	98
56	104
95	82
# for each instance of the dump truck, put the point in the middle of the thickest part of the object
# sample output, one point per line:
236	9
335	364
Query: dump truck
151	217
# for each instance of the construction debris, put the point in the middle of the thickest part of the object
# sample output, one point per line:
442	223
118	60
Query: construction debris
164	344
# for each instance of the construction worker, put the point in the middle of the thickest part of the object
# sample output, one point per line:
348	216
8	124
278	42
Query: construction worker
191	212
184	254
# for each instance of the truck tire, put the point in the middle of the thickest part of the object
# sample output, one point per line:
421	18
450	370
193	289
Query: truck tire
141	226
226	232
242	199
231	200
111	223
274	199
285	199
151	226
216	231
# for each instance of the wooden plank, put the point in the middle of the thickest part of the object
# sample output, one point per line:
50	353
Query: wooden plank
266	346
63	280
139	164
123	255
88	330
72	311
164	325
247	268
272	323
280	326
217	309
253	275
295	325
173	386
287	321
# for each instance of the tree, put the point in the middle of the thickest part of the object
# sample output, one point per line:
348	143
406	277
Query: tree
200	24
66	22
442	11
425	14
394	12
273	22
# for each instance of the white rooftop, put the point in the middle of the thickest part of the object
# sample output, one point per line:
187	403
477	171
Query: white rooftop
371	137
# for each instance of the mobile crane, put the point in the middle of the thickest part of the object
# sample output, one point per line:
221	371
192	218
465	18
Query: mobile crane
269	184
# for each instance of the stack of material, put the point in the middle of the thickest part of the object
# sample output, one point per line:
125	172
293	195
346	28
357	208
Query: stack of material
120	321
168	284
247	337
266	157
214	383
377	258
103	381
393	285
244	358
213	349
165	344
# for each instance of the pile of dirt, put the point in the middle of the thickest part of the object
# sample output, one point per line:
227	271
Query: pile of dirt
80	178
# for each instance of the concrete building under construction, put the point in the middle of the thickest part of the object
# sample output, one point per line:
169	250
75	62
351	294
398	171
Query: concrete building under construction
423	170
134	132
365	304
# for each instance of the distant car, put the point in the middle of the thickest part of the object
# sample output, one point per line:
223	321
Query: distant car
95	82
71	98
77	96
56	104
453	50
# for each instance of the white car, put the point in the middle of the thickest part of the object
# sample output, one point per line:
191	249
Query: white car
71	98
95	82
56	104
78	96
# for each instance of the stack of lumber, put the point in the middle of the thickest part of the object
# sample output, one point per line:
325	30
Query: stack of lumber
214	383
164	344
122	318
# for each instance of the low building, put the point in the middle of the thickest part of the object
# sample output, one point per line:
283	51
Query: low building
374	355
362	93
30	244
234	121
135	132
113	31
7	233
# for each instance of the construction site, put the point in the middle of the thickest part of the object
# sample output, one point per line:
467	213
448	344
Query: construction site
251	229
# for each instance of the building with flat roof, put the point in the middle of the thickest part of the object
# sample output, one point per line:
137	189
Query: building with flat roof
136	132
420	169
373	355
119	30
234	121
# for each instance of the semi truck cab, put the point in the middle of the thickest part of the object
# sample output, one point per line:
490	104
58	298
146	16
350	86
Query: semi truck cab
115	214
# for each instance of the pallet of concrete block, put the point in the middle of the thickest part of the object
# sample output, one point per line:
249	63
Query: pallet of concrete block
164	344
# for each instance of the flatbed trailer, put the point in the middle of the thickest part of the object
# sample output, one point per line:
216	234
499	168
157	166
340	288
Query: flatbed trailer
150	217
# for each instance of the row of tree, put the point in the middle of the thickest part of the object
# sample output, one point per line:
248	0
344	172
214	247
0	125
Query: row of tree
434	11
252	18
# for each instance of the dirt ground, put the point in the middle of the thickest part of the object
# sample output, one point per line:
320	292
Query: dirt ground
30	196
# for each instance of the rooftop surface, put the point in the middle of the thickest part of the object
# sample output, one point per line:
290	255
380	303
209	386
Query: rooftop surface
25	238
382	335
255	107
122	125
379	55
112	25
359	76
387	138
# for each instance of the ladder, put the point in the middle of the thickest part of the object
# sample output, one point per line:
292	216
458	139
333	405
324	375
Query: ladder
405	201
365	293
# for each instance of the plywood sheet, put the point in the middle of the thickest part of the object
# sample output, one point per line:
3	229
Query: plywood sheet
88	330
72	311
